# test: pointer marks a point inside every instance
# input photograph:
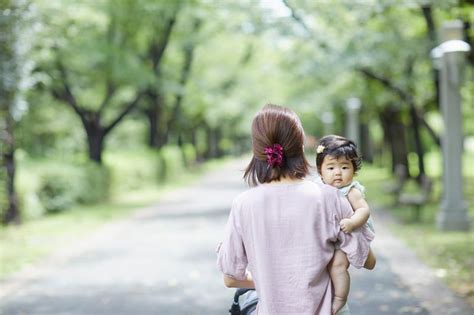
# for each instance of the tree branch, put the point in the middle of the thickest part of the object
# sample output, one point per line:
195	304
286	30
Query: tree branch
430	130
110	86
124	112
403	95
302	23
387	83
428	15
65	94
158	47
298	18
185	72
108	96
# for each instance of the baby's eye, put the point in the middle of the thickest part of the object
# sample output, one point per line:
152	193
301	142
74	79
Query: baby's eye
330	168
345	167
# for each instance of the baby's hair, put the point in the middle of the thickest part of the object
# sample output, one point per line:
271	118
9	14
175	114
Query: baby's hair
337	146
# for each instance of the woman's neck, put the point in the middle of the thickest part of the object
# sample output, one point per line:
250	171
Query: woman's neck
285	180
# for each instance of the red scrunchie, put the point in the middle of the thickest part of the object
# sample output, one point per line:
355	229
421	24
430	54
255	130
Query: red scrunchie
274	155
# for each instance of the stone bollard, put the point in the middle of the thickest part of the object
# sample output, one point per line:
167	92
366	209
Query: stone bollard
449	57
328	122
352	120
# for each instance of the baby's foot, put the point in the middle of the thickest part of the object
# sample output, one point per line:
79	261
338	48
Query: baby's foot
337	304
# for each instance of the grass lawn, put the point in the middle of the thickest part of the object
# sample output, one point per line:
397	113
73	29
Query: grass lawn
27	243
450	254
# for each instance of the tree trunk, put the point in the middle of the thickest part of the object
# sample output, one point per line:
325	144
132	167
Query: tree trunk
211	151
418	143
366	143
154	114
12	213
9	78
213	138
431	27
95	138
469	38
394	136
415	122
96	147
175	121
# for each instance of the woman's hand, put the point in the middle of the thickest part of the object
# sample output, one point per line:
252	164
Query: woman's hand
234	283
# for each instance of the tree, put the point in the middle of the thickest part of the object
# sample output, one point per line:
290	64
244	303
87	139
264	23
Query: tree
154	108
174	124
386	44
99	72
11	15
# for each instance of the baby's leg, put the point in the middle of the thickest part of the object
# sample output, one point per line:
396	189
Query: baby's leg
340	279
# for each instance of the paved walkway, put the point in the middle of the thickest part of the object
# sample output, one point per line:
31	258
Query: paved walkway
161	260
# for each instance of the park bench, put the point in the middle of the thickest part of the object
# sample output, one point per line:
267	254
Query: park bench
417	200
395	187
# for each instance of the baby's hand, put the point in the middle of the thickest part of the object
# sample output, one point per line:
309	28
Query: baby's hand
346	225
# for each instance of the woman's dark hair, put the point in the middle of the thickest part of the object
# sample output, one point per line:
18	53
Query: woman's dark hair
276	125
337	146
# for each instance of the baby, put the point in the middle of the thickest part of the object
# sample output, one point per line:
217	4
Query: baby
337	161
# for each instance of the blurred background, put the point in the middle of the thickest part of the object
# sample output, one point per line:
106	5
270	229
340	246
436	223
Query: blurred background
106	104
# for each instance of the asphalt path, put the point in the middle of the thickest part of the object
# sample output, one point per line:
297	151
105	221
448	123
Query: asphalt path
161	260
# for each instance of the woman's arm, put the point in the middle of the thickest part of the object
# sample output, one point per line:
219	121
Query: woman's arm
361	211
234	283
370	261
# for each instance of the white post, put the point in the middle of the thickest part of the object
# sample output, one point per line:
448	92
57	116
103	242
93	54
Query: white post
352	120
328	122
453	210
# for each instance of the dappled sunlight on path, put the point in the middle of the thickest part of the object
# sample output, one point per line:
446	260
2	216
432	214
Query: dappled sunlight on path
161	260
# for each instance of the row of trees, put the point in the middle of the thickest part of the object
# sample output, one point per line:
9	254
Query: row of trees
387	48
194	72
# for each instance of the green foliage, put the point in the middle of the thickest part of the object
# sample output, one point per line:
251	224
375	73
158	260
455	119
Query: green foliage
105	47
129	135
3	192
94	183
50	129
449	253
467	94
58	190
132	169
65	185
171	162
189	154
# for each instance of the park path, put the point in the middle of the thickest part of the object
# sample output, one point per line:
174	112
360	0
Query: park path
161	260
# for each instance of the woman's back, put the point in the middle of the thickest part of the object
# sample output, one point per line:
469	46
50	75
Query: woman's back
286	232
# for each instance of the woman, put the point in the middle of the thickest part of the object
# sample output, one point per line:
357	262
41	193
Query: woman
283	231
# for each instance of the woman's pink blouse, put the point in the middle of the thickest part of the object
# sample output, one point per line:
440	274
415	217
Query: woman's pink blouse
284	234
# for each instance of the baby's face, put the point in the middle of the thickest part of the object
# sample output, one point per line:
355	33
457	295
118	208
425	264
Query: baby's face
337	172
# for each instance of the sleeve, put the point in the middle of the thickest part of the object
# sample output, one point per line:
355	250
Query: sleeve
356	245
359	187
231	255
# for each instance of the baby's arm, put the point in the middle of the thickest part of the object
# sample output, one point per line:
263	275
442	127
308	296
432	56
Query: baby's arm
361	211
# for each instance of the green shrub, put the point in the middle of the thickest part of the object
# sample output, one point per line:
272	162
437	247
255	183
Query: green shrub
64	185
171	162
131	170
3	192
94	183
58	189
189	154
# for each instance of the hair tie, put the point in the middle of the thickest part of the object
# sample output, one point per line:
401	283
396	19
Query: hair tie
274	155
320	149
